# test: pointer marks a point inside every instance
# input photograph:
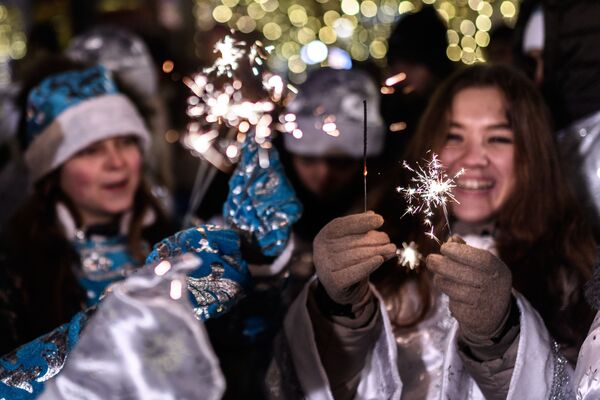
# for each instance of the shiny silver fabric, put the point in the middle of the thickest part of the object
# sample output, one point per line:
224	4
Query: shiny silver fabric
143	343
579	144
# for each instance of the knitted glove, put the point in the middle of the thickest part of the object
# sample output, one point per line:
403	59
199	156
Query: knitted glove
478	285
223	277
261	204
346	251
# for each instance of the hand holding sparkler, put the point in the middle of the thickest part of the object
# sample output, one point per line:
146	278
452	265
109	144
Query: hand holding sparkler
478	284
346	251
433	188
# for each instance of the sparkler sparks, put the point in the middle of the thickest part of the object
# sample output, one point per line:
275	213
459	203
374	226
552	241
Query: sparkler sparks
433	188
409	256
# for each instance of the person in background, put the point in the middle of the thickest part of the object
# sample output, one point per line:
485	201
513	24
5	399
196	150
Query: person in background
463	327
90	220
126	55
557	47
417	64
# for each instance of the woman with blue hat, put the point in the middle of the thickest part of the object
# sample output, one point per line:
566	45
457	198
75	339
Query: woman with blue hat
90	219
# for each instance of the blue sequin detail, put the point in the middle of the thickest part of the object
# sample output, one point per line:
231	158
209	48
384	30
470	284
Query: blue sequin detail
59	92
24	371
261	202
222	279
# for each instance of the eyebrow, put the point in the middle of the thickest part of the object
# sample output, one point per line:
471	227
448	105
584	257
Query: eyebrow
502	125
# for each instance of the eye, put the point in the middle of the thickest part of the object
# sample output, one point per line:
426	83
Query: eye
89	151
499	139
454	138
127	141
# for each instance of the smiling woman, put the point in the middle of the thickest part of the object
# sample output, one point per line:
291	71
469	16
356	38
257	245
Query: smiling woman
90	219
492	122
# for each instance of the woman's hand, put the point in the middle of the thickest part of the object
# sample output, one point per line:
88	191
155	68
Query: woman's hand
346	251
479	287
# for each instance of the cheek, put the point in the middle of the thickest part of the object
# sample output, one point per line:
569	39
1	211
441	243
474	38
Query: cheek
77	181
448	157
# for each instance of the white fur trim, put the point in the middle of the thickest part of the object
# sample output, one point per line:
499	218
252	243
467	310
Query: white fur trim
79	126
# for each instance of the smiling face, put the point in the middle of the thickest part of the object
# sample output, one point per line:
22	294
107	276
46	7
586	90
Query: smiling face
481	141
101	180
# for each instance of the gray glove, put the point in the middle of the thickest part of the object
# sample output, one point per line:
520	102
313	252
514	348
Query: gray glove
478	285
346	251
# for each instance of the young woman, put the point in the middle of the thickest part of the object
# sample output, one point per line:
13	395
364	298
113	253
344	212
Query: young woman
90	219
463	327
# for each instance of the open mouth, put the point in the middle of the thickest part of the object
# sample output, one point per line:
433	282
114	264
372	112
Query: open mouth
475	184
118	185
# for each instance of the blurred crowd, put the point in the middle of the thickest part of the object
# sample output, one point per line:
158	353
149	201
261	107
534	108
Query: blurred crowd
311	276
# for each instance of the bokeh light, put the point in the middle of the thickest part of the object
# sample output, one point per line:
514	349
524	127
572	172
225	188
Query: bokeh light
305	32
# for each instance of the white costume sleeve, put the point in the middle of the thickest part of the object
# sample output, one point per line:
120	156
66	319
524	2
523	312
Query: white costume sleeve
587	374
540	371
379	379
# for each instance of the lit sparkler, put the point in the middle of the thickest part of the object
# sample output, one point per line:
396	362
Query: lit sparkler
222	116
433	189
409	256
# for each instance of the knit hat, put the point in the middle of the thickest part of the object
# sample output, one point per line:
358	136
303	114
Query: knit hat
120	51
69	111
336	96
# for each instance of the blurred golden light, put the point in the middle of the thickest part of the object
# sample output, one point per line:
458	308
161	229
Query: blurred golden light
468	43
272	31
18	49
296	65
398	126
467	27
230	3
289	49
330	17
484	23
508	9
475	4
343	27
449	9
255	11
297	15
486	9
368	8
246	24
222	14
171	136
405	6
428	1
270	5
359	52
377	48
327	35
306	35
168	66
453	36
3	13
454	52
350	7
482	39
468	56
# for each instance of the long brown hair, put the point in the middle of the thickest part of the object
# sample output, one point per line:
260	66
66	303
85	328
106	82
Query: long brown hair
542	235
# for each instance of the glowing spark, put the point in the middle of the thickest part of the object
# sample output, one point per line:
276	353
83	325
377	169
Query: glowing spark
394	80
231	52
433	189
409	256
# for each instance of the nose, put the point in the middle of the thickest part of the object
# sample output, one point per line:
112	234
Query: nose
114	156
475	155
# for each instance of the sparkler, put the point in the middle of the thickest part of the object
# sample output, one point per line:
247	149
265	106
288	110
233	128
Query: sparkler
365	152
222	116
433	188
409	256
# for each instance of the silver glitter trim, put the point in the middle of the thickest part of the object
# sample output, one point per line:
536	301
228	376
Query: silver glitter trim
561	381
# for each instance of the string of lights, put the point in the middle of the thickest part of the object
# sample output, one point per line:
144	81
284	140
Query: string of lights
305	31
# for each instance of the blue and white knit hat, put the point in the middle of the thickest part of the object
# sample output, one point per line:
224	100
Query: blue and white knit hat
337	94
69	111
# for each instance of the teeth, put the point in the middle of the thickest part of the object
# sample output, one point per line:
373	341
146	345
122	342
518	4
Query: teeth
475	184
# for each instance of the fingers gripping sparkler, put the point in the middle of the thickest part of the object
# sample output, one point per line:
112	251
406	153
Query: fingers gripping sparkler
432	189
